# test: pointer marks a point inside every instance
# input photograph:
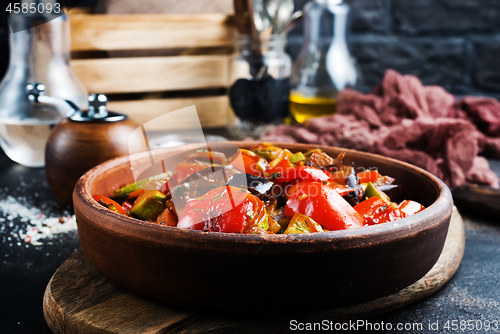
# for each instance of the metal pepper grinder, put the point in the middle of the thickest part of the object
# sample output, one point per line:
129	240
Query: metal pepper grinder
81	141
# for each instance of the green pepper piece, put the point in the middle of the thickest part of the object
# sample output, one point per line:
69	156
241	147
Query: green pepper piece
124	191
149	205
299	156
372	191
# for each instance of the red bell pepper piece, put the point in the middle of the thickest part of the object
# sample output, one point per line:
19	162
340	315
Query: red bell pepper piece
341	189
110	203
304	173
368	176
226	209
325	206
377	211
126	205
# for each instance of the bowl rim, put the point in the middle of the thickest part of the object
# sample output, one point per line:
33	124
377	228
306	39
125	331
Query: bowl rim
148	232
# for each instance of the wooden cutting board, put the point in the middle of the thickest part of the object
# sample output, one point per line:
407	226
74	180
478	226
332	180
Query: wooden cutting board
79	300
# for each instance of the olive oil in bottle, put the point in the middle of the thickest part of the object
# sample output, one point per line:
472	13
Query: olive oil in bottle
303	108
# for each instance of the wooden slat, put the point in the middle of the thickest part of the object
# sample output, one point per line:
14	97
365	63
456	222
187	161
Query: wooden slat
148	31
152	74
211	110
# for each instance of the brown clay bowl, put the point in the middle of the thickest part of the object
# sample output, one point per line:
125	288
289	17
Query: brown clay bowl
258	273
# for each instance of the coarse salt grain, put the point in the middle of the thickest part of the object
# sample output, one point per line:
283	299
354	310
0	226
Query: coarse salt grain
38	225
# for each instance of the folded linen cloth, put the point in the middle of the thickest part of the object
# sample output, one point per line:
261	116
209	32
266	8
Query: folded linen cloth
403	119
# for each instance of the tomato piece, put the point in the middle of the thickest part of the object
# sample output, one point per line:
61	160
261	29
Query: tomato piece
370	208
368	176
110	203
410	207
135	194
325	206
185	169
171	183
226	209
304	173
341	189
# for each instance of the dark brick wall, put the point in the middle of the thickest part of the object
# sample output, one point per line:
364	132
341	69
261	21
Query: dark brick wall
452	43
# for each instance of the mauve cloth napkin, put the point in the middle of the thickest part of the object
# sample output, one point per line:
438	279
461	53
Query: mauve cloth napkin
403	119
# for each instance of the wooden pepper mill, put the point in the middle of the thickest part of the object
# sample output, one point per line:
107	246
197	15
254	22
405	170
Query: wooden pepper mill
81	141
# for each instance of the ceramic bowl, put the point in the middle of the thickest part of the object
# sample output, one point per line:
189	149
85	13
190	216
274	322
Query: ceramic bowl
262	273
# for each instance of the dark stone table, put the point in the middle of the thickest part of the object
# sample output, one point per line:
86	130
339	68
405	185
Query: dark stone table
472	294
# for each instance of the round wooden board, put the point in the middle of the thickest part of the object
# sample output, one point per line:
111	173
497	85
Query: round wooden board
79	300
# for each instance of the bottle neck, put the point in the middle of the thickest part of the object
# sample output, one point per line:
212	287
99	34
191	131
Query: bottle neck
326	24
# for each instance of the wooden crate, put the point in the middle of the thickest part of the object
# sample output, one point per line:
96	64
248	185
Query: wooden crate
197	48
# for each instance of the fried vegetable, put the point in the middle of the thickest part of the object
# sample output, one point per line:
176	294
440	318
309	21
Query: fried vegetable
410	207
250	163
274	226
370	208
368	176
126	190
304	173
199	183
372	191
207	156
323	204
317	158
227	209
377	211
302	224
149	205
267	151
